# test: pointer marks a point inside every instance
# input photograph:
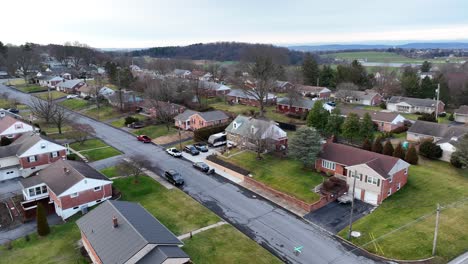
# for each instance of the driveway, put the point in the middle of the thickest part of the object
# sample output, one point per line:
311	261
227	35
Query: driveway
269	225
9	188
335	216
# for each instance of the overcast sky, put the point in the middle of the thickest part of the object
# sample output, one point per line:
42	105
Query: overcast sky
149	23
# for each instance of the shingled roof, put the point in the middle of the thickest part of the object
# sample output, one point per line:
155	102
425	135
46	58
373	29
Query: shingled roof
413	101
375	115
437	130
463	110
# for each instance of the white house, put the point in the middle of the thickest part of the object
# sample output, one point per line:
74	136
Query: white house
12	127
461	114
412	105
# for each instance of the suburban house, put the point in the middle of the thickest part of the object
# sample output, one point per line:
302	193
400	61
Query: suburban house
181	73
196	75
70	86
193	120
413	105
360	97
106	91
125	99
118	232
153	107
212	89
242	97
385	121
27	154
70	186
49	81
314	91
443	135
87	90
298	106
377	176
282	86
249	132
206	77
12	127
461	114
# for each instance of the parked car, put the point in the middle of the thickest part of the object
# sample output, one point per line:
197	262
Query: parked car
144	138
174	152
201	147
192	150
72	96
331	103
201	166
136	125
174	177
13	110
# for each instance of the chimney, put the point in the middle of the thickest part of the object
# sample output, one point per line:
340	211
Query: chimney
66	170
115	223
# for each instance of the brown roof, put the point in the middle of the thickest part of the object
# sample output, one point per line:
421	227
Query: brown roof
87	89
463	110
375	115
312	89
350	156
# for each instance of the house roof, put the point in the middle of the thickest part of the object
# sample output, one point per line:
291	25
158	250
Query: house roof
161	253
87	89
127	97
31	181
185	115
243	94
22	144
299	102
208	116
375	115
213	86
243	125
281	84
413	101
437	130
7	121
350	156
70	84
181	71
313	89
463	110
364	95
136	229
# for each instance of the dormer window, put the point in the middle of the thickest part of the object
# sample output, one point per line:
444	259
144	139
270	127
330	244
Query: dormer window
43	145
18	126
234	125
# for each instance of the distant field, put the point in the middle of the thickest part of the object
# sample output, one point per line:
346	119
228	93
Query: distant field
382	56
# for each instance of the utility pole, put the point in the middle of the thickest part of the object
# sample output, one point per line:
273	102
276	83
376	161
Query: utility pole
318	81
434	244
352	207
437	103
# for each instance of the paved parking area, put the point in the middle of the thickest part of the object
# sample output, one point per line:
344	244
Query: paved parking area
335	216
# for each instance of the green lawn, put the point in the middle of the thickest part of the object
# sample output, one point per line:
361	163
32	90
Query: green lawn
225	244
372	108
383	56
31	88
5	104
75	104
95	149
16	82
110	172
176	210
103	113
52	129
54	95
121	121
429	183
155	131
58	247
285	175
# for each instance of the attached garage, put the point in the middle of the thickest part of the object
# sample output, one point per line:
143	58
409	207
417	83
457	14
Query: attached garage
357	193
370	197
8	173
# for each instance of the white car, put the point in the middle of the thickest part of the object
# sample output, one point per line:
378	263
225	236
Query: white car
71	96
174	152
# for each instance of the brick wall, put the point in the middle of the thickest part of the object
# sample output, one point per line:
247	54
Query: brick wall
41	159
85	197
92	254
339	169
224	169
398	178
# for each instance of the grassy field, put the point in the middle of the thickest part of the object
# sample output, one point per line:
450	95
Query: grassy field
54	95
58	247
155	131
75	104
382	56
429	183
103	113
16	82
31	88
95	149
110	172
225	244
121	121
5	104
285	175
52	129
176	210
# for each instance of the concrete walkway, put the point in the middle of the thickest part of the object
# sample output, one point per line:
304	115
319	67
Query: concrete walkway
462	259
185	236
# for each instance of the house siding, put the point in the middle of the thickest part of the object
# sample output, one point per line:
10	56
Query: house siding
85	197
42	159
294	109
461	118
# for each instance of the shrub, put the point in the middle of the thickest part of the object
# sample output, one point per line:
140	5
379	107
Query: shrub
451	117
399	152
412	155
366	145
43	133
204	133
427	117
130	119
333	184
388	149
383	105
5	141
399	130
443	114
72	156
377	146
27	238
430	150
455	161
41	219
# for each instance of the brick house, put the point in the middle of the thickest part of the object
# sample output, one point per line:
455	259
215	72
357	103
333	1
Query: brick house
212	89
412	105
282	86
238	96
121	232
11	127
367	97
71	186
27	154
385	121
377	176
193	120
152	107
299	106
314	91
70	86
461	114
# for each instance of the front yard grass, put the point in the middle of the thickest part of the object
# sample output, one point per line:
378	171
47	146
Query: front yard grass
103	113
31	88
173	208
285	175
95	149
225	244
121	121
155	131
110	172
53	94
75	104
429	183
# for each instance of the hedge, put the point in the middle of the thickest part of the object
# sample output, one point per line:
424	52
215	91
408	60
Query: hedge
228	165
204	133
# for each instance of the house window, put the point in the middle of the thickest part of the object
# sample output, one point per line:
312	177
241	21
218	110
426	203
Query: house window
32	158
73	195
75	208
97	188
328	164
399	186
372	180
37	190
18	126
43	145
54	154
406	171
252	130
234	125
390	180
389	192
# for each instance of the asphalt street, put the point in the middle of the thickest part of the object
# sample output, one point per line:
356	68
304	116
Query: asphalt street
270	226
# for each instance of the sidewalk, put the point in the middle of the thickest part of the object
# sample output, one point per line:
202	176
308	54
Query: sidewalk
184	236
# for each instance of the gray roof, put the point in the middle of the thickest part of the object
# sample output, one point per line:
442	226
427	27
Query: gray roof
162	253
136	229
180	71
69	84
185	115
213	86
437	130
463	110
364	95
281	84
31	181
413	101
22	144
208	116
243	94
300	102
244	125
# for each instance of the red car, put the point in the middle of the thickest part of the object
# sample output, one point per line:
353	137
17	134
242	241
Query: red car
144	139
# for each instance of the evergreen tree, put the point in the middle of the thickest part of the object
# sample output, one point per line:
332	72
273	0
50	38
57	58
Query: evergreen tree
305	146
399	152
451	117
426	66
388	149
410	83
310	70
41	219
335	121
377	146
327	77
430	150
318	116
350	129
366	145
427	88
366	128
461	154
412	156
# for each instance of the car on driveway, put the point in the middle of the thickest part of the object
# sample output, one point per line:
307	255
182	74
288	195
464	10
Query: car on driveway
174	177
192	150
72	96
201	166
136	125
174	152
144	138
201	147
13	110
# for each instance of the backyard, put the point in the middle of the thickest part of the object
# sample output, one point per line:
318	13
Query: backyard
283	174
95	149
75	104
31	88
429	183
53	95
103	113
155	131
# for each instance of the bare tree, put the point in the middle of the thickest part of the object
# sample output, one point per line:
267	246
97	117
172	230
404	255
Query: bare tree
346	90
259	135
293	95
25	58
159	94
133	167
81	132
60	116
44	109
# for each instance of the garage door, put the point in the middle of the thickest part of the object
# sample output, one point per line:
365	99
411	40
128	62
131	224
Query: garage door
357	193
8	174
370	197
